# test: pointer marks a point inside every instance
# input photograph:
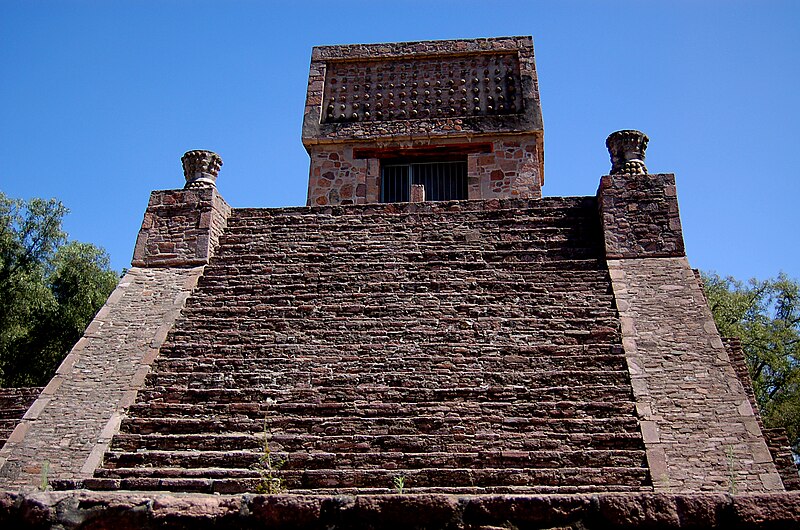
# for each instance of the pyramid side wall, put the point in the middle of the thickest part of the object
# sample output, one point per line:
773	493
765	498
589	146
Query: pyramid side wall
65	433
699	428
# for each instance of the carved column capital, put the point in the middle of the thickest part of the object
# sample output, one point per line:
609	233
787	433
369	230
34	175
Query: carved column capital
201	168
627	148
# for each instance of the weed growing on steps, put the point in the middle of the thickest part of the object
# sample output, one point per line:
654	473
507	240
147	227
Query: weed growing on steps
44	483
268	466
731	470
399	484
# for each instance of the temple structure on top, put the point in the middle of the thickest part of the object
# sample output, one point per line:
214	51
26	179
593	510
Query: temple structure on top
461	118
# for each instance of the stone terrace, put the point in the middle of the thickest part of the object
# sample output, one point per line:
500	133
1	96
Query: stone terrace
470	347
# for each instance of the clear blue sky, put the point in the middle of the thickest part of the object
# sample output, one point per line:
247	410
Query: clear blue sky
99	99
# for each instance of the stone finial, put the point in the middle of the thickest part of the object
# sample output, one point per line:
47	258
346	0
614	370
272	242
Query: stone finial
201	168
627	149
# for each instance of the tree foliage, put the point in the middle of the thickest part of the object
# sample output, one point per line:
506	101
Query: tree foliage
765	315
50	288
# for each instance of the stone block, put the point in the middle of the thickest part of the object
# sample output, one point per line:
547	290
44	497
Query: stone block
640	216
181	228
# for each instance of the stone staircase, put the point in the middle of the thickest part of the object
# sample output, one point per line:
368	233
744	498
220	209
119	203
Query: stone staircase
14	403
469	347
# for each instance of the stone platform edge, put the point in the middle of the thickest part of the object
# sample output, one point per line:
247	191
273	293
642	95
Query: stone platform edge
93	510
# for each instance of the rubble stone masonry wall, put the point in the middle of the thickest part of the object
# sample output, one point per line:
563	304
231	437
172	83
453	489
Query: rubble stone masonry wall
640	216
69	427
507	168
180	228
698	425
124	510
776	438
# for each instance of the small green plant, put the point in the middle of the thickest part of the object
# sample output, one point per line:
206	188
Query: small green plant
731	470
399	484
268	466
44	484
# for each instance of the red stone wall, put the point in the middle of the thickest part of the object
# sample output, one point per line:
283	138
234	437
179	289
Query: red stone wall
509	169
73	419
777	440
699	429
640	216
337	178
180	228
145	511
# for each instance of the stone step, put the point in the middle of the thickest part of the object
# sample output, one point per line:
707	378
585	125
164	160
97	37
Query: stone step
353	329
423	376
400	272
249	485
440	285
493	274
509	276
393	278
385	394
426	476
554	409
228	481
120	464
460	351
221	331
408	443
409	281
364	216
565	259
585	311
201	351
278	424
380	361
14	402
318	245
8	424
543	210
12	413
542	305
401	310
425	226
355	318
373	250
454	228
370	245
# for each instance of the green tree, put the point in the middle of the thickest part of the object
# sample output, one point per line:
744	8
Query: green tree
50	288
765	315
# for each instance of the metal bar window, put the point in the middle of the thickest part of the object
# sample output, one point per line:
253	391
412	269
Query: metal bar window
443	181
